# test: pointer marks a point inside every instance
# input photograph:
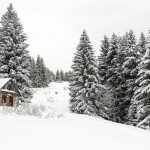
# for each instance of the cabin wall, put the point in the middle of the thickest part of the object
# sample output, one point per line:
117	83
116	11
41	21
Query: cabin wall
15	100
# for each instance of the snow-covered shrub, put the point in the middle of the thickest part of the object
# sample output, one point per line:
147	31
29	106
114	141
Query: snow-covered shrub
25	109
29	109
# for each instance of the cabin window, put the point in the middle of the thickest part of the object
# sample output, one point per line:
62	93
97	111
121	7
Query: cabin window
10	101
3	98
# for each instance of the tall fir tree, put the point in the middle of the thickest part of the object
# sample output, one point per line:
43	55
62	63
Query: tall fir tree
66	76
111	60
33	72
85	89
114	78
142	45
58	76
38	79
102	65
14	57
43	73
140	104
62	75
41	79
50	75
130	67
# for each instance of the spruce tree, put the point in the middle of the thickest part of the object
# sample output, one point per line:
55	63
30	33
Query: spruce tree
102	66
33	72
58	77
38	78
140	104
142	44
129	67
50	75
85	89
14	57
114	78
62	75
69	75
43	75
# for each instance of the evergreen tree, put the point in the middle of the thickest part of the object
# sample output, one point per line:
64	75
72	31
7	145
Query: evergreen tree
38	78
43	75
14	57
140	104
102	66
111	60
129	68
50	75
142	44
66	75
62	75
58	77
114	78
33	72
41	78
84	86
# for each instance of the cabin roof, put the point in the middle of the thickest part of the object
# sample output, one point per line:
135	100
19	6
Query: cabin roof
3	81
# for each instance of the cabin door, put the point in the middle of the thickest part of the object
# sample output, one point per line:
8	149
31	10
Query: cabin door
3	99
10	101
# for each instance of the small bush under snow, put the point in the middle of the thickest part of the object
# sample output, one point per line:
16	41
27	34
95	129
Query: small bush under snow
37	110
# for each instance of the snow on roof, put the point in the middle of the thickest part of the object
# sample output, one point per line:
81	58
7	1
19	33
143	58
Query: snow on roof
3	81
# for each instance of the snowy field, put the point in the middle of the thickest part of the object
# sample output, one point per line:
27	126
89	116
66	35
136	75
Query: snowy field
66	131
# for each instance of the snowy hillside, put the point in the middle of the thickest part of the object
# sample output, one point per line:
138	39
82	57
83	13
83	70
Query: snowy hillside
55	96
68	131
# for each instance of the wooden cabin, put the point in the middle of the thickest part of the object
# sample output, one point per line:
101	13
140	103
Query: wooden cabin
9	93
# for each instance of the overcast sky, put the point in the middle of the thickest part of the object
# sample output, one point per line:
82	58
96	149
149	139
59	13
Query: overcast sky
54	26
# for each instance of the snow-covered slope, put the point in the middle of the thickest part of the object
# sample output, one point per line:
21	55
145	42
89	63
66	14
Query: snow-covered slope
68	131
56	96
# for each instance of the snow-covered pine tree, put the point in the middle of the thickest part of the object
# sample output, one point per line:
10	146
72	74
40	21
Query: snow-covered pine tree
129	68
111	61
114	78
121	104
66	76
58	77
69	75
14	57
85	90
140	104
38	79
50	75
130	65
102	65
142	45
33	72
62	75
43	73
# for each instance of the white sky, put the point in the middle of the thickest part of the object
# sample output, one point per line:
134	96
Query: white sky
54	27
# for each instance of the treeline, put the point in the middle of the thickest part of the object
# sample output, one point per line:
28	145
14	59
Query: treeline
40	75
63	76
118	86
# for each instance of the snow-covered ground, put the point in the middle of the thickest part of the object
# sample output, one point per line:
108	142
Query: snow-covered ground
66	131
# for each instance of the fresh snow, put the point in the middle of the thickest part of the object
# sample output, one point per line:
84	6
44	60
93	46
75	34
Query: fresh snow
66	131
